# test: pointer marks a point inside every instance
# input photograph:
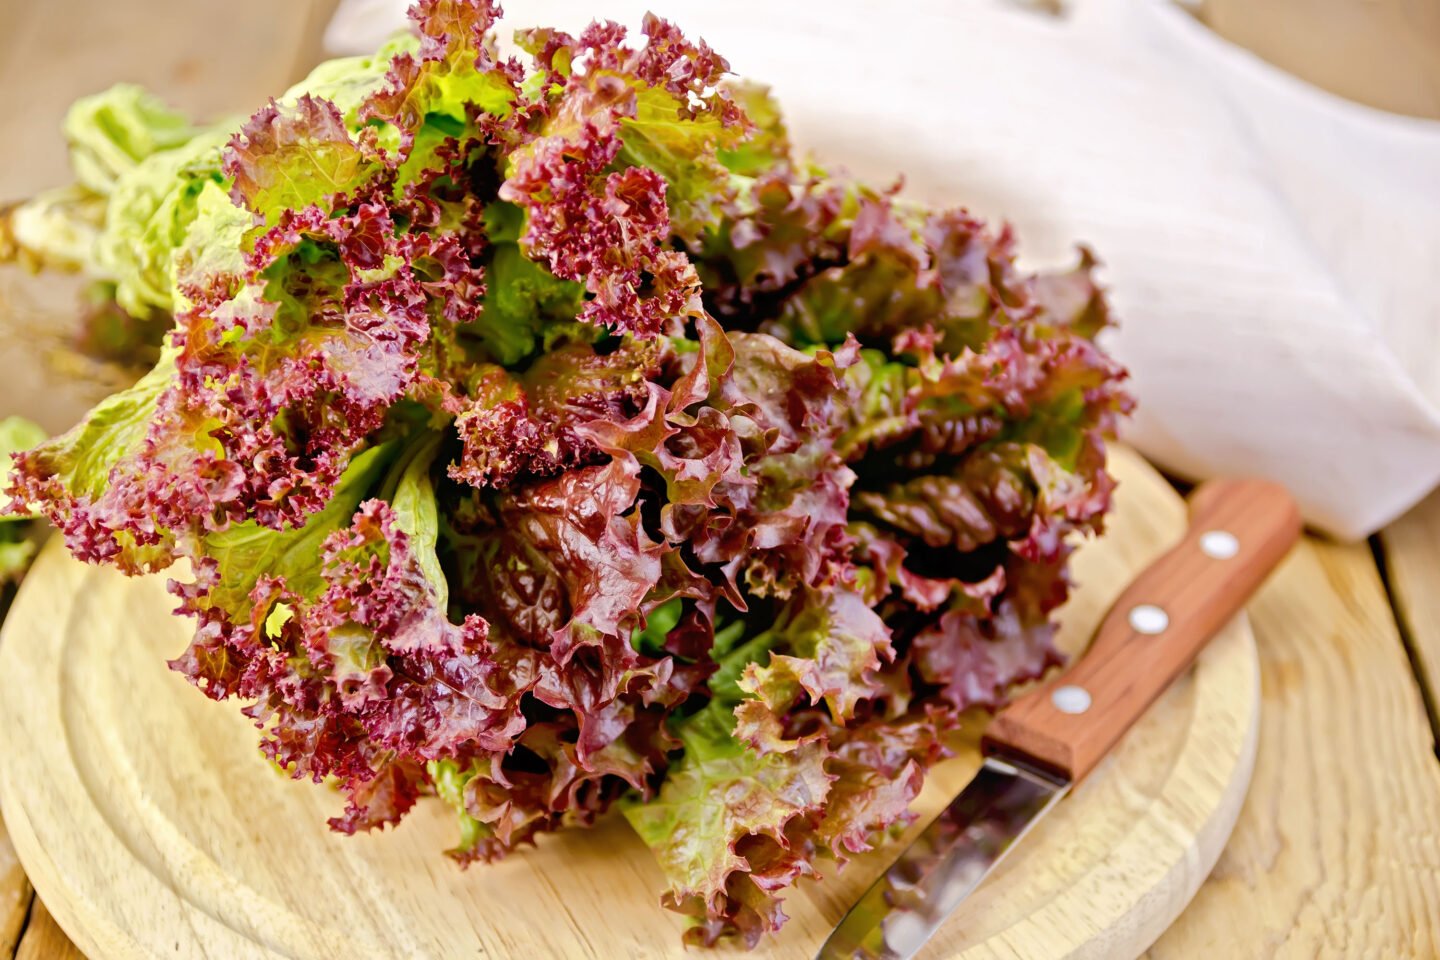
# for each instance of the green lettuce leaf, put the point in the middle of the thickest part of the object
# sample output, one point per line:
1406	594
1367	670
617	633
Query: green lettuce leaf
450	781
416	514
833	643
682	149
526	307
718	824
82	458
149	215
289	157
447	76
247	551
127	209
54	230
17	537
111	132
16	434
769	142
129	235
348	82
213	245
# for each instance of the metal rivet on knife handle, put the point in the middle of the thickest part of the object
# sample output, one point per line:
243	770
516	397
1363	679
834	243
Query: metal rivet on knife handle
1071	699
1148	619
1219	544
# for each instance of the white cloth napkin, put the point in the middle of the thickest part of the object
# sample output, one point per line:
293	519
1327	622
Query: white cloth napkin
1273	252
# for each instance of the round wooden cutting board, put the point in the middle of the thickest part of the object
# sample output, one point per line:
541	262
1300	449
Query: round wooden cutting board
152	827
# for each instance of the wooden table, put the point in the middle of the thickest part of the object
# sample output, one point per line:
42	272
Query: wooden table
1337	852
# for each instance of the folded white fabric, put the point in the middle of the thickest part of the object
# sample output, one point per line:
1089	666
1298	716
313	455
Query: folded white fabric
1272	251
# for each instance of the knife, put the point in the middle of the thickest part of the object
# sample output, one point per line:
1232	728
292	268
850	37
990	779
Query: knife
1047	740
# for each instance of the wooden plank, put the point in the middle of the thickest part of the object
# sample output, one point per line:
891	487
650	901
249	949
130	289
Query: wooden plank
1384	53
1337	850
44	940
15	895
1412	559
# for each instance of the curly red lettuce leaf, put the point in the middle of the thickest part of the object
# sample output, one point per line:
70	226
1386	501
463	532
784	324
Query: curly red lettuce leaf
129	482
722	827
830	648
450	80
292	157
629	134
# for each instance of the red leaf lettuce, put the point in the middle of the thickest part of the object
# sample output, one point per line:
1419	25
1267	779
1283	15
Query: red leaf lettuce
542	434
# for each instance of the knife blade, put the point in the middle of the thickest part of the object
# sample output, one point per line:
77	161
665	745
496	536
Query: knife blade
1050	738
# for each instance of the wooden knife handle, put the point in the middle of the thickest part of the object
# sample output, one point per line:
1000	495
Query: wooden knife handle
1239	531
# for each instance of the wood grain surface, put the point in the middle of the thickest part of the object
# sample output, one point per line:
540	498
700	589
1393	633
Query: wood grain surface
1411	548
1337	852
44	940
15	896
111	767
1125	669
